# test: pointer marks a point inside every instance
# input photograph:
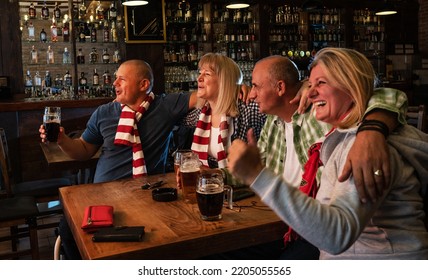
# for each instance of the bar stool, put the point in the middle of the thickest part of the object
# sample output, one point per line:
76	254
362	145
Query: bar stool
44	192
16	212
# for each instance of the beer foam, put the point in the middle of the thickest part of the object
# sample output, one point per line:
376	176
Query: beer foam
209	189
189	167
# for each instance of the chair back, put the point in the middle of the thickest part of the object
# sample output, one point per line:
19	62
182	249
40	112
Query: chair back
416	116
5	165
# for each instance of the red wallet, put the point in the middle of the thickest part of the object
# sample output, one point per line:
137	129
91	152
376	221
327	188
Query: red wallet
97	216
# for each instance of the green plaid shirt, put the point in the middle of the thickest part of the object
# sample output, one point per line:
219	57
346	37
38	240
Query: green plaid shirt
307	130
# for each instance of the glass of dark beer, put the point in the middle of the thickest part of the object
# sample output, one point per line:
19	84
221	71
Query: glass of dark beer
211	194
52	122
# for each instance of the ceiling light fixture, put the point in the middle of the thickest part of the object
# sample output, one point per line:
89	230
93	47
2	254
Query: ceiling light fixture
134	3
236	5
386	9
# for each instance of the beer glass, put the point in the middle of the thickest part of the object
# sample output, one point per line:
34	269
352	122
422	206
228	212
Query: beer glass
52	122
177	158
189	174
211	194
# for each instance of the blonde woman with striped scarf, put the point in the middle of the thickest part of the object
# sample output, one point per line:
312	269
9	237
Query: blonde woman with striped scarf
221	116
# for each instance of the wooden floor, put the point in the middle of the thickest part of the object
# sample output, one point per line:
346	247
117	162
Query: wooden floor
47	238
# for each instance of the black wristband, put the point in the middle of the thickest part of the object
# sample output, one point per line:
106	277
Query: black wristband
372	128
374	125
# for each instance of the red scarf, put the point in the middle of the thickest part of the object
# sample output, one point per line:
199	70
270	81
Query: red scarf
308	185
127	134
201	137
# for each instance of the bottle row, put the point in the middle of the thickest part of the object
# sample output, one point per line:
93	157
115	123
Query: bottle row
285	15
66	93
325	17
181	78
185	12
365	17
94	57
62	86
99	13
44	11
326	35
198	34
85	32
55	32
189	53
67	80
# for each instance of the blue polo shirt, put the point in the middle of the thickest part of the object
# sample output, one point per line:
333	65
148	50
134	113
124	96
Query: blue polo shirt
154	128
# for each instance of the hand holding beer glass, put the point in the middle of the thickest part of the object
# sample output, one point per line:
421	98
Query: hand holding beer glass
52	122
189	174
210	194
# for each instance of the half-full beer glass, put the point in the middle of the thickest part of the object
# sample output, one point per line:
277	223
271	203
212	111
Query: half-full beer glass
52	122
189	174
177	158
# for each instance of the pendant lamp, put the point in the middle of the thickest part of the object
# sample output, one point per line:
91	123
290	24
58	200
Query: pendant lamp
237	5
134	3
386	9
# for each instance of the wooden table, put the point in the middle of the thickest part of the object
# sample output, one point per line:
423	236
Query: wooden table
59	161
174	230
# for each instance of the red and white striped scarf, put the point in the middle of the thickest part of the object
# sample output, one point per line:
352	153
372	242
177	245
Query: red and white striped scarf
201	137
127	134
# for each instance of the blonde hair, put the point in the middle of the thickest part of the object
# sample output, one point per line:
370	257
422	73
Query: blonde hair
351	72
230	79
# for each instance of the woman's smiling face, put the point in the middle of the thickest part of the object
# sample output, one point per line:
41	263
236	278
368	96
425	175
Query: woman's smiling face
208	83
330	103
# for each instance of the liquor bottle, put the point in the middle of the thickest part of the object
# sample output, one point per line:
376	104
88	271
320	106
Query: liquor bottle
106	56
66	58
50	56
250	54
45	11
48	79
99	12
82	35
54	31
204	35
31	32
43	36
95	78
34	55
82	9
80	57
106	78
112	12
57	11
116	57
58	81
28	79
113	32
93	56
83	81
66	32
93	34
106	33
68	80
226	16
32	11
37	79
